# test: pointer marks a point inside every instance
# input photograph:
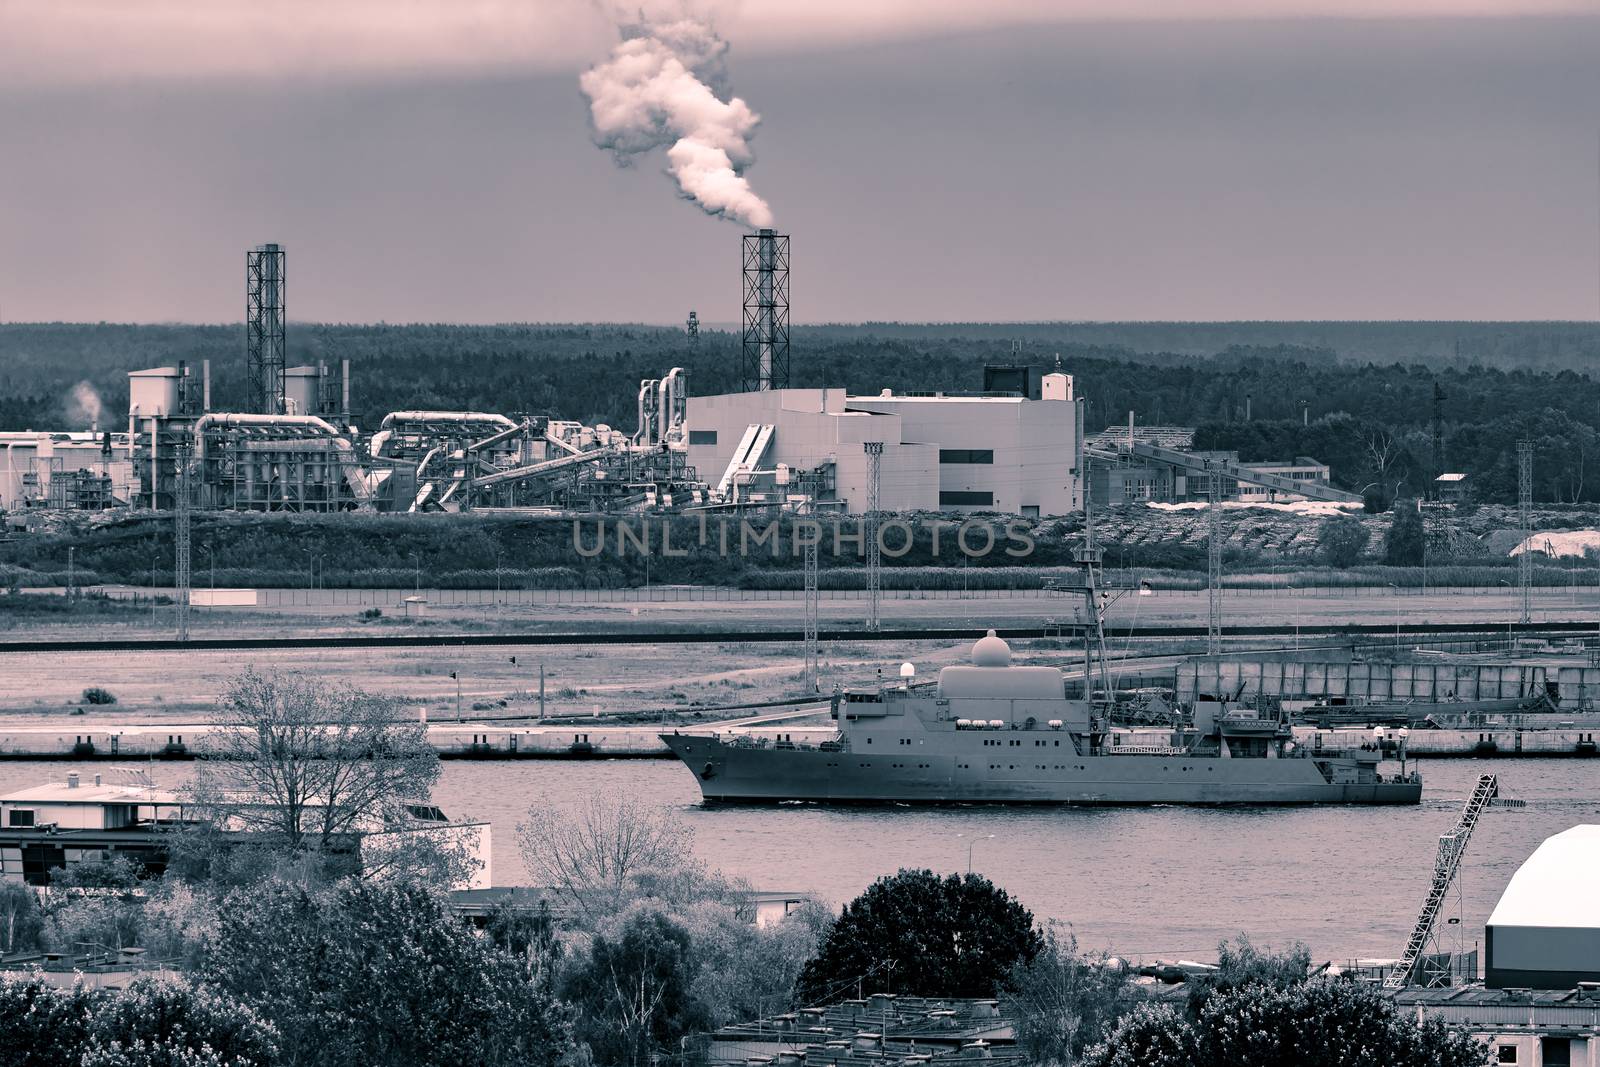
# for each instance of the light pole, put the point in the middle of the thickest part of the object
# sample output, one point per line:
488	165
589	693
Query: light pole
973	841
70	575
417	563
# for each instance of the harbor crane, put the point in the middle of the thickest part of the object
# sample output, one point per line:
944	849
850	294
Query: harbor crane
1452	846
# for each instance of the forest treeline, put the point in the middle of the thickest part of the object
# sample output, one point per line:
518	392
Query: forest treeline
1367	388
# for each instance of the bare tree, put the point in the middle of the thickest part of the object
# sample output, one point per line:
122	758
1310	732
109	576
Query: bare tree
595	852
1385	458
306	765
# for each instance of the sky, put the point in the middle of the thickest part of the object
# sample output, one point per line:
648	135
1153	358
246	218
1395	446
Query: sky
432	160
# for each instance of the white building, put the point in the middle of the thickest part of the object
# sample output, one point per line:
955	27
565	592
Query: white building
1003	453
58	824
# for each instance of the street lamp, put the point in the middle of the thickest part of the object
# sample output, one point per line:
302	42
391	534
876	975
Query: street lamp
971	843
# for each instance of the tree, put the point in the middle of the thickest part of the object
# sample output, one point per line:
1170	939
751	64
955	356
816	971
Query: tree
1341	541
1403	545
172	1024
1318	1023
20	917
152	1023
592	853
40	1025
1065	1003
917	933
743	971
365	974
633	993
305	765
1240	964
1386	459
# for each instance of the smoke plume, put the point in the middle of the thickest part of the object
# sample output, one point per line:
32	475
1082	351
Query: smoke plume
665	85
83	405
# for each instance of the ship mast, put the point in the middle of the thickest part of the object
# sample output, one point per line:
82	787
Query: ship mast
1094	630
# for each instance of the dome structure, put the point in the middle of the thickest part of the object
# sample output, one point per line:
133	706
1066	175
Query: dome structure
991	651
1545	931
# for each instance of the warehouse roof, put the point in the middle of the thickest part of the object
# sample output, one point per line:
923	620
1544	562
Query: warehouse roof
1559	885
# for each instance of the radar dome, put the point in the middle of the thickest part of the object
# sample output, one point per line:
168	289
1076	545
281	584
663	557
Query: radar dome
991	651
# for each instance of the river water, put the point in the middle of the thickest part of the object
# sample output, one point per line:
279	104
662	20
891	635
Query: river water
1163	882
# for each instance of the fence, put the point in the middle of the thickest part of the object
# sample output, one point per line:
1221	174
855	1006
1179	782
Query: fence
1547	596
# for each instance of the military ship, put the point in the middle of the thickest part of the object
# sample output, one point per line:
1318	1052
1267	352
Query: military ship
994	732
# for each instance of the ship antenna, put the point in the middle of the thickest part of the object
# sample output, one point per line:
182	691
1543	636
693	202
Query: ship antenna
1094	641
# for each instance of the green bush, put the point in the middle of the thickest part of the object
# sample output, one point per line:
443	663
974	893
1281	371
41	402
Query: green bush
98	695
151	1023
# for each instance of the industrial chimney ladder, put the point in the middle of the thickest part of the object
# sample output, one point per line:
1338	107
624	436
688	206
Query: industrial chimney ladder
1451	847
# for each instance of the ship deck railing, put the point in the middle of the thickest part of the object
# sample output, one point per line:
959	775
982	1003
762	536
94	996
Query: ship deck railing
831	744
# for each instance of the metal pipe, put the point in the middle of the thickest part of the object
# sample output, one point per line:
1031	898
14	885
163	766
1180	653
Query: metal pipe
444	416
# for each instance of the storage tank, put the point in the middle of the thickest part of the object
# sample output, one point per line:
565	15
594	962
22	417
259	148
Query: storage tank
153	393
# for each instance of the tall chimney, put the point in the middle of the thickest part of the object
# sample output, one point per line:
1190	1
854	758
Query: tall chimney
766	311
205	386
264	328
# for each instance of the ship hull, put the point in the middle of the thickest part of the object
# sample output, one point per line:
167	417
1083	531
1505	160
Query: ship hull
745	774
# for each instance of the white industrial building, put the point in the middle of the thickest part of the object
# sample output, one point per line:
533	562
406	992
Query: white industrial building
81	470
998	452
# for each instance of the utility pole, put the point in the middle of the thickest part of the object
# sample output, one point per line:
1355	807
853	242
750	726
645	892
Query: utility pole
1525	517
181	540
874	450
70	574
541	689
457	678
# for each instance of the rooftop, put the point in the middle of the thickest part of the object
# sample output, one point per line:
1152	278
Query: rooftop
1557	886
879	1029
89	793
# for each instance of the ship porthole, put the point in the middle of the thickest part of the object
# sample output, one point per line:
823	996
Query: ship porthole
708	772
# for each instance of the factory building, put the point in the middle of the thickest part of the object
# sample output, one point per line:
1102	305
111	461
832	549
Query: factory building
993	451
74	471
1158	464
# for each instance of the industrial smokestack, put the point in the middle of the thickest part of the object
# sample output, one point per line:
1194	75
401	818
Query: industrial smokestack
766	311
264	329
